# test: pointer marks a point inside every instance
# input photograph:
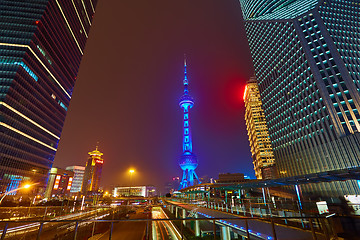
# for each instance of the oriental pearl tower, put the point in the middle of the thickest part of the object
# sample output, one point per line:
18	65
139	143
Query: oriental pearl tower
188	160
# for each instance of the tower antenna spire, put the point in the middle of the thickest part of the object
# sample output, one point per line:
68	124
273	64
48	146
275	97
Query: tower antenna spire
186	82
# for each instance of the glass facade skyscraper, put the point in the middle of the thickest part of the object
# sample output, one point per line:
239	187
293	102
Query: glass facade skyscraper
79	172
41	46
306	55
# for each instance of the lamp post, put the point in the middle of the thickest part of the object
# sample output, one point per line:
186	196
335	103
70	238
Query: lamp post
131	171
16	189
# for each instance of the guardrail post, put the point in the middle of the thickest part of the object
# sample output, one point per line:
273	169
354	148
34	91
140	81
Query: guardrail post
93	228
273	229
247	229
39	232
324	228
147	227
111	230
312	229
4	231
214	229
184	216
182	230
76	229
45	213
270	210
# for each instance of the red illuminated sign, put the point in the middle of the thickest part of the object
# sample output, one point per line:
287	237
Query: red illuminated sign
69	183
245	92
99	161
57	181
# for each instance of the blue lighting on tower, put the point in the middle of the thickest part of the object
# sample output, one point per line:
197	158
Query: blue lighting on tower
188	160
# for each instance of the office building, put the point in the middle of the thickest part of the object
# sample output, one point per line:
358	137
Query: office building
79	172
306	58
172	185
59	184
260	144
41	46
92	173
137	191
231	178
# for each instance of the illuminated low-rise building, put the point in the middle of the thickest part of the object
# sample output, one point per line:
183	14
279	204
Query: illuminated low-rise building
59	184
138	191
260	144
92	173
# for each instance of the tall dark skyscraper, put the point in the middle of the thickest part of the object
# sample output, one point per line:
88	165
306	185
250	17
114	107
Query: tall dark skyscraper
306	57
41	46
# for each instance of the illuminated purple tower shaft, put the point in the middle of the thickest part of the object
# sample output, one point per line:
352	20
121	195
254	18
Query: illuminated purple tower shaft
188	160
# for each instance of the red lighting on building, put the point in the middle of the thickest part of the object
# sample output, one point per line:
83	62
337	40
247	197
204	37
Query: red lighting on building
69	183
37	22
245	92
57	181
99	161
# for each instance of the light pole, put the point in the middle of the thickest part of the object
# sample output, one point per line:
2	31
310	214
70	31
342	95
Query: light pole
131	171
16	189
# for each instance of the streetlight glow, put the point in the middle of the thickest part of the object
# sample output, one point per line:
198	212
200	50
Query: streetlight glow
16	189
131	171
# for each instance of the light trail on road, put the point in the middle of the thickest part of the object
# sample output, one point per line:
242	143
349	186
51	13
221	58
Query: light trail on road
34	226
168	227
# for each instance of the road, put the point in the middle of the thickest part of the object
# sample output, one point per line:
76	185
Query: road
131	230
24	230
163	230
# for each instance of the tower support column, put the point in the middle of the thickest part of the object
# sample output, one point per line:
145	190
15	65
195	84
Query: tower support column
184	216
225	233
197	226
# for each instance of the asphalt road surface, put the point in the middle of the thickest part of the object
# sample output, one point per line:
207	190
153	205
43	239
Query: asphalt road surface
127	230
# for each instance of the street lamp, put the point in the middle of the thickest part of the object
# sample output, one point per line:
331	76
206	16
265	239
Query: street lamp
131	171
16	189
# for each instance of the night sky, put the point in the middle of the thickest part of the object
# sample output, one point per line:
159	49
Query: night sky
130	81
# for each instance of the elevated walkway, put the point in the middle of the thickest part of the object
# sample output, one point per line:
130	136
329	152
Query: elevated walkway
256	227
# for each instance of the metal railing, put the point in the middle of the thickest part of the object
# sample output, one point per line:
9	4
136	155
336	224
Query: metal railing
318	227
257	207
